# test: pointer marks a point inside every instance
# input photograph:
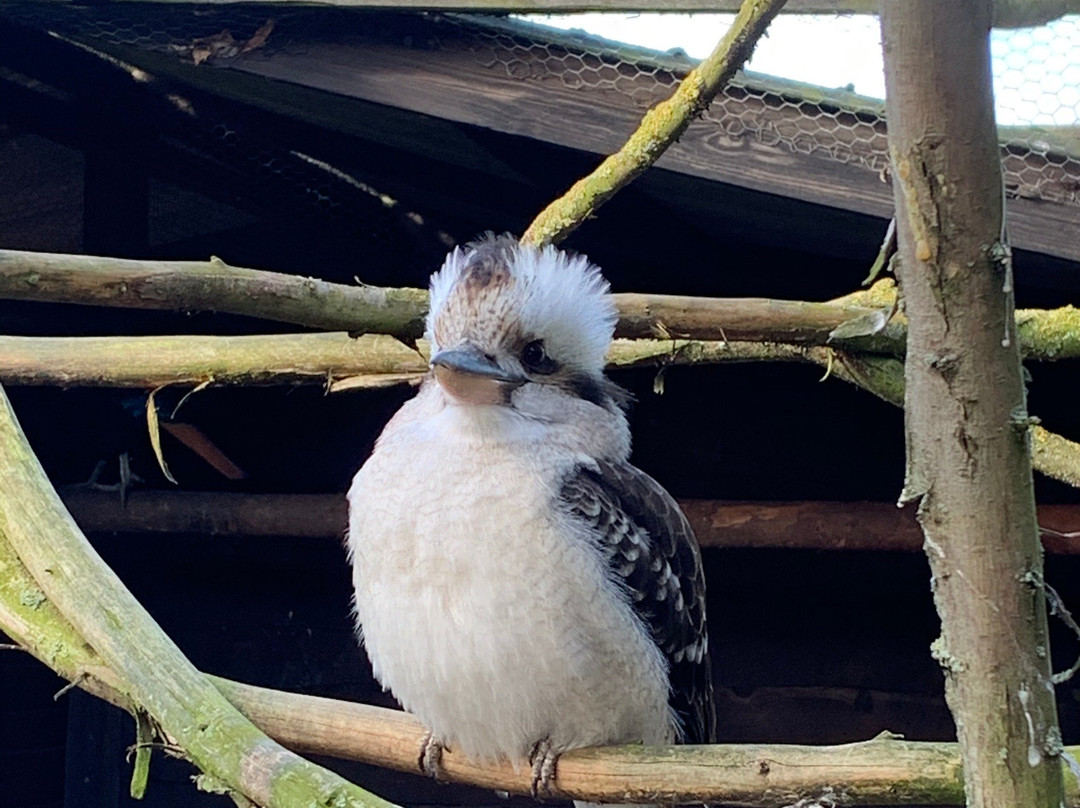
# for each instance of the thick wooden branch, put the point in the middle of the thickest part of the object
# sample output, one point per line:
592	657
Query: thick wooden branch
786	525
211	286
880	772
341	362
968	435
372	360
215	286
660	127
40	537
150	362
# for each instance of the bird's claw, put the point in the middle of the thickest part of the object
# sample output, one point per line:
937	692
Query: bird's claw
544	760
127	477
430	760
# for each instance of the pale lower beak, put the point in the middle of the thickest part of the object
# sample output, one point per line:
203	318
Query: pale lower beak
470	377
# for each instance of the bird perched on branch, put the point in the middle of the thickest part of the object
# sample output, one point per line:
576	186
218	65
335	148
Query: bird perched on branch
520	587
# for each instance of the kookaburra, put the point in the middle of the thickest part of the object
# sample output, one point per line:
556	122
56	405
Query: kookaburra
520	587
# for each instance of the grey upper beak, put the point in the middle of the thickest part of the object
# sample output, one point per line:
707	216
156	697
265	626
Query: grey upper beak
469	359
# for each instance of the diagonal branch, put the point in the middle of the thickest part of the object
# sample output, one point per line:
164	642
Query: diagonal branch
660	127
40	537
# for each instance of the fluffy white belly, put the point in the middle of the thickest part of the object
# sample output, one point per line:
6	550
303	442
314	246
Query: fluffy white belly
486	615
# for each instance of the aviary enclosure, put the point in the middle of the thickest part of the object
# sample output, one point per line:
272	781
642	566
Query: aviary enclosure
198	419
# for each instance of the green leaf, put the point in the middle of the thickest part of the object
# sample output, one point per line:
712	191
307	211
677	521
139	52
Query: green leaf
144	737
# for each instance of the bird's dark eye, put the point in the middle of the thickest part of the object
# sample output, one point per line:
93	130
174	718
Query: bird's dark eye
535	359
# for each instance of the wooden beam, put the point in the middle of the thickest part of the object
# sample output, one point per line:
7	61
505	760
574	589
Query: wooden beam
1007	12
811	525
453	83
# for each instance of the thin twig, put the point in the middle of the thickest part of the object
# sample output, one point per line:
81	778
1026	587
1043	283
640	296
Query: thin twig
1059	610
74	683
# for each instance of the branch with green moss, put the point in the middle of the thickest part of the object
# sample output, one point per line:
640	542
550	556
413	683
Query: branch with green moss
95	629
864	321
341	363
151	362
661	126
215	286
211	286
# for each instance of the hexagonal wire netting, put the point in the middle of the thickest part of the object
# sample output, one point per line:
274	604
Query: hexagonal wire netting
1037	74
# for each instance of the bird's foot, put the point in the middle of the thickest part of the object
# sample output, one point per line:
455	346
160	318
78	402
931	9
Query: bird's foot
127	477
430	760
544	760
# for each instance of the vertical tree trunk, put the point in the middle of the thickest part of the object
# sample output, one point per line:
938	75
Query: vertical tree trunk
969	461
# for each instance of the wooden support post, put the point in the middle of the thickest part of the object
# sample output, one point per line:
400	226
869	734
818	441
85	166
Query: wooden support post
969	457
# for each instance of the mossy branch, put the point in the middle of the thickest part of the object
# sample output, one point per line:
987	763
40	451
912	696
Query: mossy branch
211	286
44	557
150	362
214	286
341	362
399	312
661	126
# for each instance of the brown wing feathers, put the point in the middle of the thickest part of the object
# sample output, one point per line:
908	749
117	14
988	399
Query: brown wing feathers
651	549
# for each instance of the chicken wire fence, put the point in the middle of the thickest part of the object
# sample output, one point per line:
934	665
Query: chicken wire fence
1037	75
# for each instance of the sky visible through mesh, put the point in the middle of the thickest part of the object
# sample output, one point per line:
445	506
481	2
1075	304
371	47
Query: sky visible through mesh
813	87
1036	70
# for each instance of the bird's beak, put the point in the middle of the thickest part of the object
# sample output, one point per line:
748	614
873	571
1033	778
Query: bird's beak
470	377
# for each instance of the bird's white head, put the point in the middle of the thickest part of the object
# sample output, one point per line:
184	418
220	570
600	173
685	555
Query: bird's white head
505	315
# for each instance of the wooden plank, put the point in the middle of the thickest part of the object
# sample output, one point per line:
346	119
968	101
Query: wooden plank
571	6
457	82
1010	13
755	525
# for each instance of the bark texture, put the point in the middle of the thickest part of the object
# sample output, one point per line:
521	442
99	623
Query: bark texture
969	458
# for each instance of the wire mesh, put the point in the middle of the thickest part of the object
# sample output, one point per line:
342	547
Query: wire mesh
1037	75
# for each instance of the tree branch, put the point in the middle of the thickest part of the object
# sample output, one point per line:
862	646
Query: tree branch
878	772
44	557
660	127
969	459
150	362
214	286
211	286
342	362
